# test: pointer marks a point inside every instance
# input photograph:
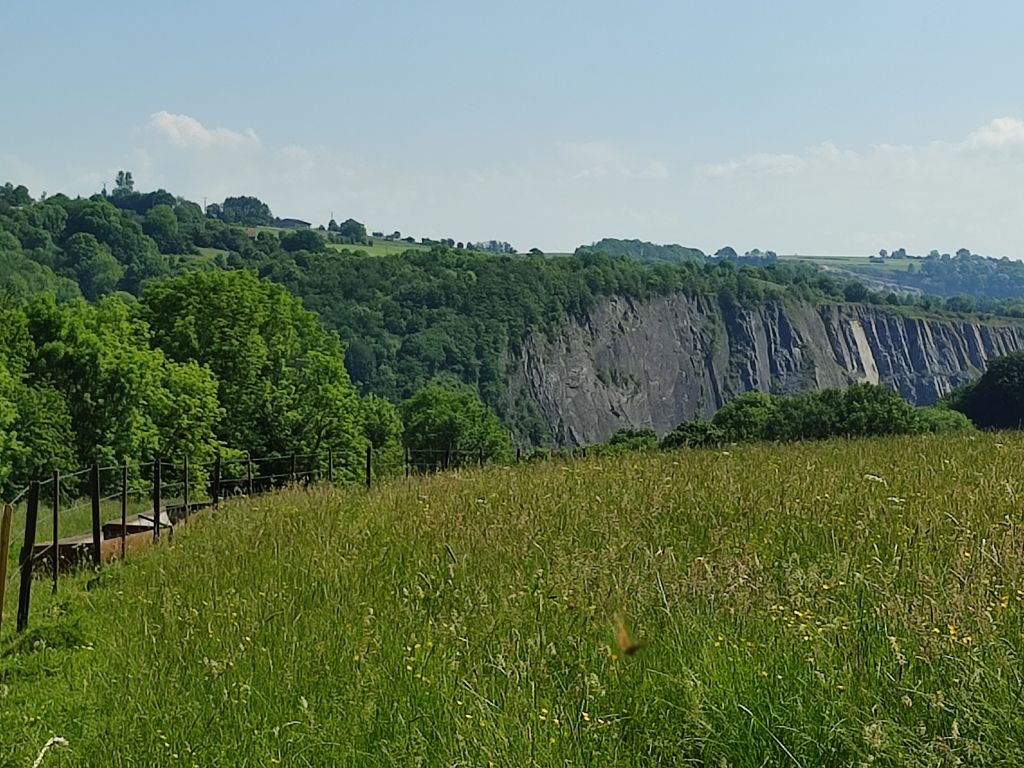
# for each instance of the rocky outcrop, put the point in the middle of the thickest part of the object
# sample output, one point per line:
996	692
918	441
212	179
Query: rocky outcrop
659	362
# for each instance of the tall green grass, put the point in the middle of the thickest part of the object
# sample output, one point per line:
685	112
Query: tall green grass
837	603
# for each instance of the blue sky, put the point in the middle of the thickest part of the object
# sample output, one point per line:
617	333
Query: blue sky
810	127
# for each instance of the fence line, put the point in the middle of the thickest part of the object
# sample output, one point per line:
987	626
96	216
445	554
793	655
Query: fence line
223	478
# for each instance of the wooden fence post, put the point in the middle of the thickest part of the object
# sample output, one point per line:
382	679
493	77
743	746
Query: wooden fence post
216	480
6	514
156	497
481	457
291	471
25	561
407	463
96	532
55	555
330	466
248	474
184	471
518	453
124	506
369	465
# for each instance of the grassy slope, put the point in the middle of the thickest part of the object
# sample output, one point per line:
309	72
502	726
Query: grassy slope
856	263
836	602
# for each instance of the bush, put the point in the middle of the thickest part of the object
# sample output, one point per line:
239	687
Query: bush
627	440
747	417
940	418
693	434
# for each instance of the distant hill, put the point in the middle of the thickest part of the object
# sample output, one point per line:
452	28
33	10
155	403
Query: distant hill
645	253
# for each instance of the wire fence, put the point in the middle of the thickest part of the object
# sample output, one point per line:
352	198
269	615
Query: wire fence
140	498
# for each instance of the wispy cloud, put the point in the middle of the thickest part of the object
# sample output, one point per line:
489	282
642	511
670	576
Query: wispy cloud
185	131
603	160
941	194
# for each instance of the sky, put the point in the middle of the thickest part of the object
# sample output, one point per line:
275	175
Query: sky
801	127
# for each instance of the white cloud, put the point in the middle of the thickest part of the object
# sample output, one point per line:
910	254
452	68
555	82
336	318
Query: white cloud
825	199
602	160
185	131
1001	134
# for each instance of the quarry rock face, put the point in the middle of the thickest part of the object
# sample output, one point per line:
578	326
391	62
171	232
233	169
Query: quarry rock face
659	362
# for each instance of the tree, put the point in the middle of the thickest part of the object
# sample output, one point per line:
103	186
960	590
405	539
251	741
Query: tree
161	224
747	417
95	268
353	231
280	373
383	429
247	211
452	427
996	400
874	410
855	292
11	449
327	413
304	240
124	185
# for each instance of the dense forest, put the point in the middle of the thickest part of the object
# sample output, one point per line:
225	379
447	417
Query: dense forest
652	254
138	323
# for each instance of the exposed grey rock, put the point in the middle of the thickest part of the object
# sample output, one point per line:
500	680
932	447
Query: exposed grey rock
660	362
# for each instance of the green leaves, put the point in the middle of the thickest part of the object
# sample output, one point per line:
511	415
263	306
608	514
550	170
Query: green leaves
281	377
452	427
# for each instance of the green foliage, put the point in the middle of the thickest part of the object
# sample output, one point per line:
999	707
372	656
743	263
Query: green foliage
874	410
161	224
996	400
861	410
645	253
940	418
350	231
304	240
282	380
747	417
964	277
627	440
246	211
450	427
693	434
383	429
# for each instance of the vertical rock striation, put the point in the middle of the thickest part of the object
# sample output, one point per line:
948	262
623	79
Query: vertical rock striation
659	362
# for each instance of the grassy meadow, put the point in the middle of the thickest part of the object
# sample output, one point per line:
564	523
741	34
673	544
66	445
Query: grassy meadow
858	263
815	604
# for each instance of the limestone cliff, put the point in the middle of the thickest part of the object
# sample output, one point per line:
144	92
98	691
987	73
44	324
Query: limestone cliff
658	362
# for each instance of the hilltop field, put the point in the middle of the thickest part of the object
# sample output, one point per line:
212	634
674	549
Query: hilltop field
812	604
